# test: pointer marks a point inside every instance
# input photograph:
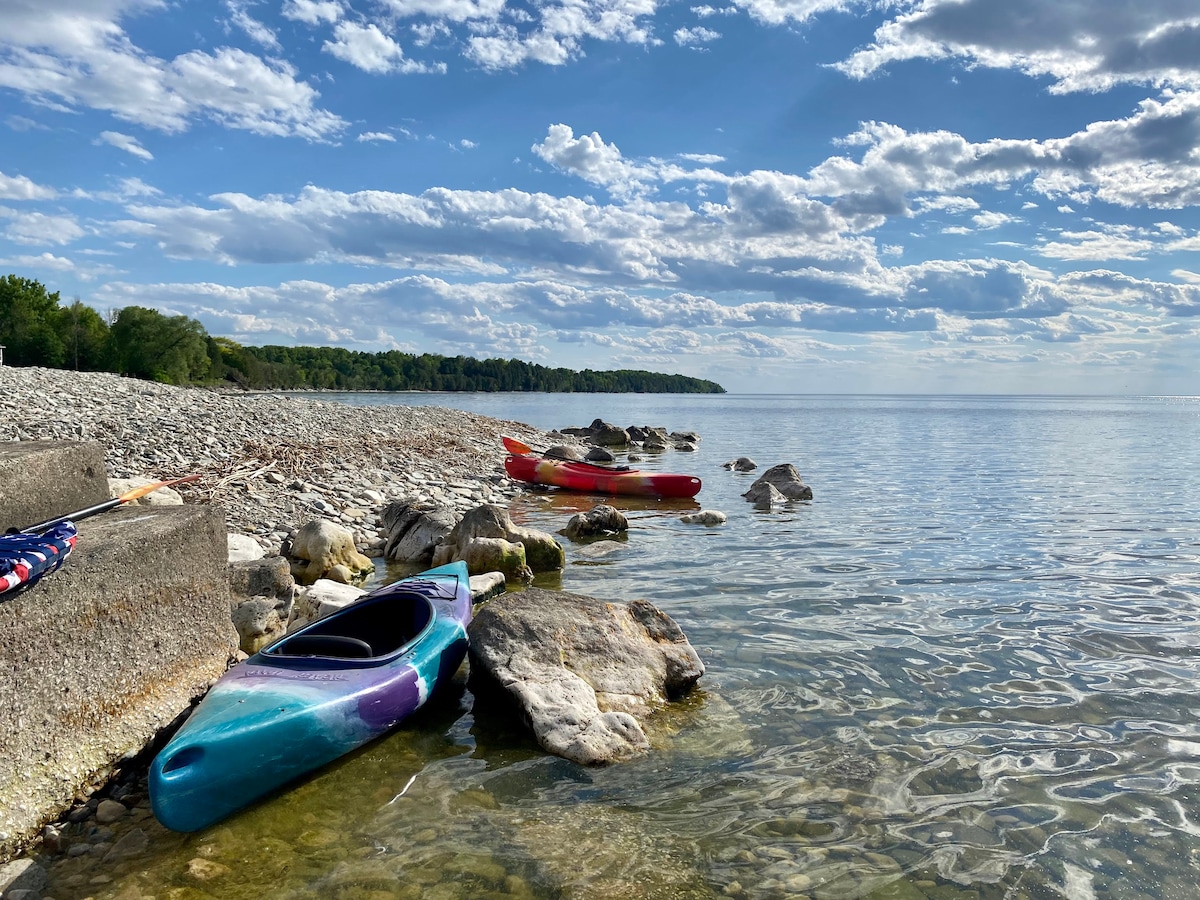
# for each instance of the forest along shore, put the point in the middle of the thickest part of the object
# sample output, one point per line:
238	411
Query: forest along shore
273	462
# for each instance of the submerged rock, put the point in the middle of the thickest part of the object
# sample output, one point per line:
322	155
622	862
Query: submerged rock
708	517
600	519
582	670
741	464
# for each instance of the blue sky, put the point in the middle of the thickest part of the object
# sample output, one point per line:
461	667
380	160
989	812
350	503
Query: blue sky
781	195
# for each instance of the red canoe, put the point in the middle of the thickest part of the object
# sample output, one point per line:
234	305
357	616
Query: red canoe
581	476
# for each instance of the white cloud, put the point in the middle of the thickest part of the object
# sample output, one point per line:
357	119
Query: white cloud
446	10
312	12
39	229
18	187
73	55
376	136
124	142
589	157
778	12
1087	45
694	37
254	29
557	33
369	49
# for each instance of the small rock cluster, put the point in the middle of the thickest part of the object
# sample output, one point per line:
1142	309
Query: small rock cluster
649	438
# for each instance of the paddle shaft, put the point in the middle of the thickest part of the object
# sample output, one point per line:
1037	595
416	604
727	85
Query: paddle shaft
107	504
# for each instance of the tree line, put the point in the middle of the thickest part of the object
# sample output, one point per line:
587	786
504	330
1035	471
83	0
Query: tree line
37	330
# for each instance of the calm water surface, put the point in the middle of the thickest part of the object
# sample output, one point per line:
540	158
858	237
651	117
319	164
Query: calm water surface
966	669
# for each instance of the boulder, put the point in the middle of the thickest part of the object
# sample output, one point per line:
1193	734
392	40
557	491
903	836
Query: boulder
565	451
656	443
320	599
542	553
764	495
598	455
413	533
786	480
686	437
601	519
258	621
243	548
262	595
741	464
708	517
583	670
319	546
604	434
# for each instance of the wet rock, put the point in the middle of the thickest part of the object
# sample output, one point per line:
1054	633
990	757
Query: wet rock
601	519
708	517
581	669
110	811
785	479
741	464
542	552
599	455
764	495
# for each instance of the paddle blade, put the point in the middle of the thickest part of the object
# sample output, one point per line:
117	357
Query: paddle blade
151	488
512	445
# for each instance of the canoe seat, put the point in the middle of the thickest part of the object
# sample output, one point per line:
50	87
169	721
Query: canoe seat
337	645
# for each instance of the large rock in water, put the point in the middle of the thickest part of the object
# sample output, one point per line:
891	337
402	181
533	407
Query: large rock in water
785	479
583	670
484	526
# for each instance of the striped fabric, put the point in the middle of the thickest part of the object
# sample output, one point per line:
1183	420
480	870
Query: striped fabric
24	558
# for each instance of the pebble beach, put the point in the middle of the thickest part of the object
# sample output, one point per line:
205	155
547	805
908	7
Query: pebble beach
272	461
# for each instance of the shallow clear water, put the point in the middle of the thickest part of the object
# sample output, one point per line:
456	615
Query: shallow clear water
966	669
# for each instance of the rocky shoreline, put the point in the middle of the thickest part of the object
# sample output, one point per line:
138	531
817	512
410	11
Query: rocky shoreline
272	461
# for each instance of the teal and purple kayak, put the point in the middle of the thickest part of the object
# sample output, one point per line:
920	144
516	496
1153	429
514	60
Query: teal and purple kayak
312	696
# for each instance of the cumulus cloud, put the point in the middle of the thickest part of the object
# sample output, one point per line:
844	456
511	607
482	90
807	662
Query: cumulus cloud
368	136
40	229
124	142
312	12
695	37
369	49
18	187
557	33
1084	45
77	56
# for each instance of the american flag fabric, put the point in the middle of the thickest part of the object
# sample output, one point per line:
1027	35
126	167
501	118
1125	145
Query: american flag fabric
24	558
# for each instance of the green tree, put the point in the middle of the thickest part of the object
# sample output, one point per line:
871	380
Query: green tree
147	344
29	323
85	338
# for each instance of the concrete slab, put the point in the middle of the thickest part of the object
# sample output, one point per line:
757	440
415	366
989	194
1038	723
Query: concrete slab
43	479
100	655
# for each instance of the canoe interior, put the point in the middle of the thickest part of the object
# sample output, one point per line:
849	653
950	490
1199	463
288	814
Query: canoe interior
368	632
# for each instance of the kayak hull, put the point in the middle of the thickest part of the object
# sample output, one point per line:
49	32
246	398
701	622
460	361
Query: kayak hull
579	476
313	696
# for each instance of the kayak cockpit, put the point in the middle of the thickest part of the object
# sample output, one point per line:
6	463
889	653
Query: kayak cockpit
369	632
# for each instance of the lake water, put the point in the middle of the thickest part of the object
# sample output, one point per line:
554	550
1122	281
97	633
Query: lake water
967	668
